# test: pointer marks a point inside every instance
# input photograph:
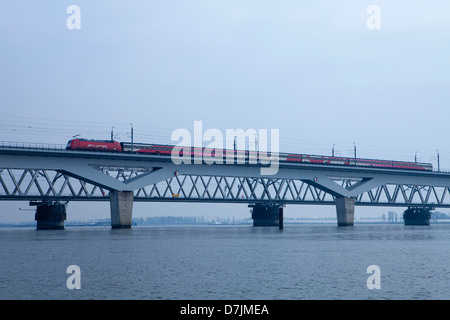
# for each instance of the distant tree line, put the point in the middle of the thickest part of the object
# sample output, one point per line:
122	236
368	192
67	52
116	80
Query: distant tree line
439	215
166	220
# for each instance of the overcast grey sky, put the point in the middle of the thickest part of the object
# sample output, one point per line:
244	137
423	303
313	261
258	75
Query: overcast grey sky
311	69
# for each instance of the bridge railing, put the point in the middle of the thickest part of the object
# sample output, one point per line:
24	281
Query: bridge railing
32	145
441	170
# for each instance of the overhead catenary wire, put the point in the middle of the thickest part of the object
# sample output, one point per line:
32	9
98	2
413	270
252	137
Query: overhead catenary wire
48	130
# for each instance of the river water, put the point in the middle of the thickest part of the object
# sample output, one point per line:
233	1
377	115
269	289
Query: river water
308	261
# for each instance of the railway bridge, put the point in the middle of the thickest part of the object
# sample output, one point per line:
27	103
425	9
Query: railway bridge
49	177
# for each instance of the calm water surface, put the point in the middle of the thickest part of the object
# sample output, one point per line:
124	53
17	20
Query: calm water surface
227	262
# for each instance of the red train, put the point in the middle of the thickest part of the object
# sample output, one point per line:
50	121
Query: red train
166	150
97	145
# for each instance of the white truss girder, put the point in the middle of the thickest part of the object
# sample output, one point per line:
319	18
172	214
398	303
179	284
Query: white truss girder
69	175
32	184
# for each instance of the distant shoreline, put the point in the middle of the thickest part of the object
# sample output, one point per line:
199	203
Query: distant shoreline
304	222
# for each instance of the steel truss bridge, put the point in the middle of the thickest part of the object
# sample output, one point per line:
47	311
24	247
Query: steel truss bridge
58	175
42	184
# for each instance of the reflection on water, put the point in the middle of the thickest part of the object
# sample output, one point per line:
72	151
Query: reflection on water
227	262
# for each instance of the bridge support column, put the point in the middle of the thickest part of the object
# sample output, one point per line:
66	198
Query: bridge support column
264	215
417	217
121	209
345	210
50	216
280	218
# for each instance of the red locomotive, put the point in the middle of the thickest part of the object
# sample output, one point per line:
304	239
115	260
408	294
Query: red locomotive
97	145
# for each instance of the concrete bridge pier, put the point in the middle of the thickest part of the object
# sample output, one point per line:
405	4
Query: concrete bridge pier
49	216
267	215
417	217
345	210
121	209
